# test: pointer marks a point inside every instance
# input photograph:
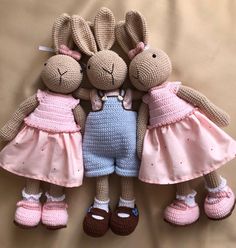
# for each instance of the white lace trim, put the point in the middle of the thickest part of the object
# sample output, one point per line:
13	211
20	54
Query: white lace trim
31	197
188	199
219	188
51	198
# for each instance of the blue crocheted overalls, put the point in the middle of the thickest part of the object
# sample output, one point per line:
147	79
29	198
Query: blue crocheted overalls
110	140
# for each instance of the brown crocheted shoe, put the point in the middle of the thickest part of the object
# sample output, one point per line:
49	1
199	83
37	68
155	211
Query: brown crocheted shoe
96	227
124	226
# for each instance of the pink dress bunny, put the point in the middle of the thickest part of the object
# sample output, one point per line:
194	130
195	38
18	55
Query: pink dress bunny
179	138
177	134
45	141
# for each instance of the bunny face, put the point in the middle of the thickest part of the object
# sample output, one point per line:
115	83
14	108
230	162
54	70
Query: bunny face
149	68
62	74
106	70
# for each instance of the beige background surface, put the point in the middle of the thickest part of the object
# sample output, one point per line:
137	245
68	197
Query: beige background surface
199	36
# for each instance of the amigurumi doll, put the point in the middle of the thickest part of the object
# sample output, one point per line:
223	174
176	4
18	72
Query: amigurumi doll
45	138
109	143
179	138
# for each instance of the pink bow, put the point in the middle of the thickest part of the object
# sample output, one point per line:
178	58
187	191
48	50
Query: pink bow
63	49
138	49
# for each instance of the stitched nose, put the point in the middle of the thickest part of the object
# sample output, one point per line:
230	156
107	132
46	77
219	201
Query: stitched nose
60	72
108	70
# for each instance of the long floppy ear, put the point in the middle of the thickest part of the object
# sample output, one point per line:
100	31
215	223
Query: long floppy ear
123	38
61	32
136	27
104	29
83	36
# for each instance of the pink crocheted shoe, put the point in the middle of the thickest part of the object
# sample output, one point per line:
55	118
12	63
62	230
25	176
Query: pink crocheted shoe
28	213
54	215
181	214
219	205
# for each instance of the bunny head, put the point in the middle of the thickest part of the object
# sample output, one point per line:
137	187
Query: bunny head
148	67
62	73
106	70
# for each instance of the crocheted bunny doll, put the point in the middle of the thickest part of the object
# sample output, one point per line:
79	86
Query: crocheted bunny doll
45	142
109	143
178	134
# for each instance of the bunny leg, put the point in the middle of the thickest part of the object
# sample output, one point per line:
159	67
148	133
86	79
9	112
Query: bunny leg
183	210
127	189
96	221
125	218
220	200
213	179
56	191
183	188
29	209
102	189
32	186
54	213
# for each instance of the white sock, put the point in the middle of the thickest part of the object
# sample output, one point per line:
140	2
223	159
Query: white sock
51	198
31	197
188	199
219	188
101	204
126	203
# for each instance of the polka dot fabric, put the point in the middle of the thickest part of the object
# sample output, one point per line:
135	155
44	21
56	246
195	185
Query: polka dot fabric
185	149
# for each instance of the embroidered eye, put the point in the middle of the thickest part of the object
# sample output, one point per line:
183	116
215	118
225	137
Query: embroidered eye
154	55
89	66
45	64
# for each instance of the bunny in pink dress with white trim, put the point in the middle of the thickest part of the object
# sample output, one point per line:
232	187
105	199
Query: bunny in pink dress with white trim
179	138
44	134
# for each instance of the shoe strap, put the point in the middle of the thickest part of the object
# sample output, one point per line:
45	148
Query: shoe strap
99	212
55	205
220	194
127	210
178	204
29	205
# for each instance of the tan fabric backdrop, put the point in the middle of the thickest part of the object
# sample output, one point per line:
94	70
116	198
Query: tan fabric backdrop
199	36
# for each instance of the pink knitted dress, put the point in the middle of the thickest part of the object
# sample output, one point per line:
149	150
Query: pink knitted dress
181	143
49	146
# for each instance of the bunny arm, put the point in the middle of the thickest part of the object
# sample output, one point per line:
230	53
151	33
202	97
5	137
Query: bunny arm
80	117
217	115
143	116
83	94
137	95
12	127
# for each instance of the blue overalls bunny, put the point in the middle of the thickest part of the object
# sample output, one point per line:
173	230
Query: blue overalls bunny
110	132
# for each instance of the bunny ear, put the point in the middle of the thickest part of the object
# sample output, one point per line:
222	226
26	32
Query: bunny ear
104	29
91	25
61	32
123	38
83	36
136	27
